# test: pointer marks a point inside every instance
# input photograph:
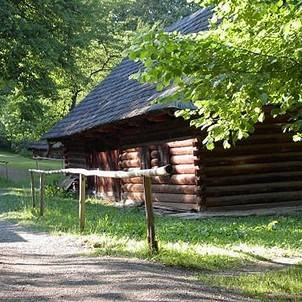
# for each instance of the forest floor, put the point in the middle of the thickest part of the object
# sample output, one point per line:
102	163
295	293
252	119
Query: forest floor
36	266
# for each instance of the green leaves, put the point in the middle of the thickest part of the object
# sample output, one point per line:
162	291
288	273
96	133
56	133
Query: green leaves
251	61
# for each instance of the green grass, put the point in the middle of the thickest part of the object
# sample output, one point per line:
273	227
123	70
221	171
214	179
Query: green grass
211	245
18	161
277	285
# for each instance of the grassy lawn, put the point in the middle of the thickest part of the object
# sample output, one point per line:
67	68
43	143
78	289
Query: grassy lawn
280	285
216	247
21	162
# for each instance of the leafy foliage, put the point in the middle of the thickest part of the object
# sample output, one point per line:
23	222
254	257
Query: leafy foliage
247	65
53	52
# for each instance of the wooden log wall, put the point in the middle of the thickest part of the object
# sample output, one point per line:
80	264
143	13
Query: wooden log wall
108	188
74	155
178	191
262	171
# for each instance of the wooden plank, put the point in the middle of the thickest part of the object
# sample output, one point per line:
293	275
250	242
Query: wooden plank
42	201
82	196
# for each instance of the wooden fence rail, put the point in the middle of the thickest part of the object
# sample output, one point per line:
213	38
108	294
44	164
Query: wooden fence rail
83	173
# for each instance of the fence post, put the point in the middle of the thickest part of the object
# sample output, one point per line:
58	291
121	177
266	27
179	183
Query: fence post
82	195
33	195
42	204
153	245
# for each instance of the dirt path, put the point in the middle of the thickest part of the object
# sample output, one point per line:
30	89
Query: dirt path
38	267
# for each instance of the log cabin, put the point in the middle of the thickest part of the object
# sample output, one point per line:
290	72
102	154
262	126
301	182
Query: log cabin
118	127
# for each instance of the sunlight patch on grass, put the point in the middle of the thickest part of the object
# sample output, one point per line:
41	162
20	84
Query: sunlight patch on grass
181	255
276	285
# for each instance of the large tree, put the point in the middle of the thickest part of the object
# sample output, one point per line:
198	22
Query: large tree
248	62
53	52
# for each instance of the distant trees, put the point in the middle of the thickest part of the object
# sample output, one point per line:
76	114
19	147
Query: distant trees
53	52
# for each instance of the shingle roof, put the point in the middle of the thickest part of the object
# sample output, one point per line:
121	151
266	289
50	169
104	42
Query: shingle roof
117	97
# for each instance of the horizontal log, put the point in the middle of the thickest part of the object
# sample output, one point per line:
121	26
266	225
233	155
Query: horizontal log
182	151
253	178
184	169
162	197
177	179
134	163
144	139
154	162
254	188
254	206
186	207
251	149
154	154
182	159
266	138
254	168
163	188
255	158
134	180
183	143
130	155
165	170
131	150
254	198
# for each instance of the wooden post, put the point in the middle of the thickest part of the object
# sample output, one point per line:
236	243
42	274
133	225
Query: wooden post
82	195
33	195
153	245
42	204
145	161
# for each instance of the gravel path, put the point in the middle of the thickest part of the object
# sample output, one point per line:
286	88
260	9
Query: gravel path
36	266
